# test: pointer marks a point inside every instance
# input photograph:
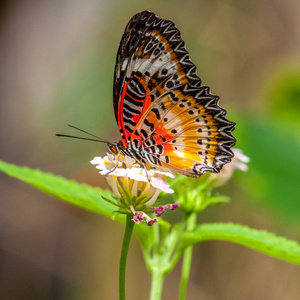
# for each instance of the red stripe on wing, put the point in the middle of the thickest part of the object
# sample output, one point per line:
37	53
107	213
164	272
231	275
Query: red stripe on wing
120	116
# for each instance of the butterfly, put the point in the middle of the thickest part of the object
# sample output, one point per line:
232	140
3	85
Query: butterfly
166	117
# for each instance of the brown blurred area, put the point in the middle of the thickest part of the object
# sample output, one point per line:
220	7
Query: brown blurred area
56	67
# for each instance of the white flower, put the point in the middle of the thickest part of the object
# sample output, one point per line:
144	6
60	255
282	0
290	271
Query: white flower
161	184
238	162
135	187
127	167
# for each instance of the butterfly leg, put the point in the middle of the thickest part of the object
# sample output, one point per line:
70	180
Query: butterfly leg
144	166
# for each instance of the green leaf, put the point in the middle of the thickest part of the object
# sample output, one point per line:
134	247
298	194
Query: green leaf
216	200
81	195
259	240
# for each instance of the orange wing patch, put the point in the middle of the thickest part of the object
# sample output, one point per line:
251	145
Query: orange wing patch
187	129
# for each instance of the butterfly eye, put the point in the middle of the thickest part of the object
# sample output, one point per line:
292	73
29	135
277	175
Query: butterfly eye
113	149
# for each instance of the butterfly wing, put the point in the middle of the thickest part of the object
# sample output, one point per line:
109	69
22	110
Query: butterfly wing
185	130
151	60
161	105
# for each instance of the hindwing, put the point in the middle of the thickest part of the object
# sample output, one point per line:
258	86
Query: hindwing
190	134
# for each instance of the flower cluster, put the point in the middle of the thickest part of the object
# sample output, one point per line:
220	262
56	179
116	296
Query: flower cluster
136	188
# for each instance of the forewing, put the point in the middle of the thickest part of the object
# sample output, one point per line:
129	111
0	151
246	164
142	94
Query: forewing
151	60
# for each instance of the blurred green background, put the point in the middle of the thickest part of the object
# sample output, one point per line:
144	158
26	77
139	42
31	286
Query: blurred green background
57	63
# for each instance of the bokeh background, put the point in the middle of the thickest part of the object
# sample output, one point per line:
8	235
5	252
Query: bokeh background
56	67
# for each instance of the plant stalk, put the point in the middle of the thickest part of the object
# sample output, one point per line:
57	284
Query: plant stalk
123	258
157	284
187	259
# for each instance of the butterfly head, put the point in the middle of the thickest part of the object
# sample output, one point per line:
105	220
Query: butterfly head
115	148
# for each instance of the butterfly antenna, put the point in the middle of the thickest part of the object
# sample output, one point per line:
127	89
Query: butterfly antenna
98	139
78	137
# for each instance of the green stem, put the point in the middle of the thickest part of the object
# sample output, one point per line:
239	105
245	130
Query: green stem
123	258
187	259
157	284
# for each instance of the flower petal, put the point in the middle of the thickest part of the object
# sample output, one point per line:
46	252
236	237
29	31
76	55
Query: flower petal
150	222
159	183
169	174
